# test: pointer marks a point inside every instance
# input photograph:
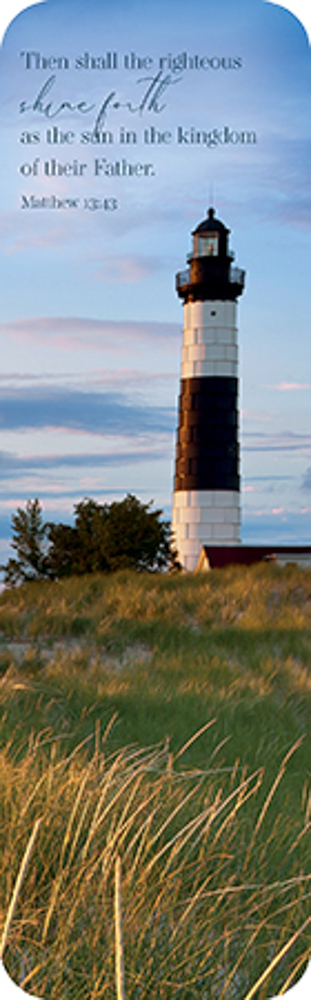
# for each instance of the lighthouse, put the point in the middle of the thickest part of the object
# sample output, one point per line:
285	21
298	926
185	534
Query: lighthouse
206	506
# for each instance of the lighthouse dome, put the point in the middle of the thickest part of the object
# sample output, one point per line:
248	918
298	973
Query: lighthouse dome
211	224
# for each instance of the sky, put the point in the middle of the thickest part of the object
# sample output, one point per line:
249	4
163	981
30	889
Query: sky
120	125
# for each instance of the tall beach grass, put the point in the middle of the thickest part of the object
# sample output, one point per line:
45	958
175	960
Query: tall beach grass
156	751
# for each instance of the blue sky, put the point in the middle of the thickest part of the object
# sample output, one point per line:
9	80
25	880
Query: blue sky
90	325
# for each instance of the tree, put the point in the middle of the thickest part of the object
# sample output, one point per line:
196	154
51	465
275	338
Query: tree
29	542
134	536
64	550
121	535
90	524
105	537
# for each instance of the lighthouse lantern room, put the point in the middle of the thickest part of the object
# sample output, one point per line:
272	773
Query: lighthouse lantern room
206	506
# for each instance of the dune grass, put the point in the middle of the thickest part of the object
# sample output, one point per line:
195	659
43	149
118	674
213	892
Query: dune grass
163	721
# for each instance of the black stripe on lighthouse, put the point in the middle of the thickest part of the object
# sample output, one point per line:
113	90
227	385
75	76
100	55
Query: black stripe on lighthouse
207	453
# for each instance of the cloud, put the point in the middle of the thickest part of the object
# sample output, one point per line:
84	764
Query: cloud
290	196
61	480
35	234
99	413
264	527
278	188
11	463
128	270
284	441
306	482
70	331
290	386
121	377
269	479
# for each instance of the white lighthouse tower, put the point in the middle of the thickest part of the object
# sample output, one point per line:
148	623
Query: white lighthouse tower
206	507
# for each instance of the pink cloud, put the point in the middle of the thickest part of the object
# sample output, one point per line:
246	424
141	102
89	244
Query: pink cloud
290	386
64	332
128	270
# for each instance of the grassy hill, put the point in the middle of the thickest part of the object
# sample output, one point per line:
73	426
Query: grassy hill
165	719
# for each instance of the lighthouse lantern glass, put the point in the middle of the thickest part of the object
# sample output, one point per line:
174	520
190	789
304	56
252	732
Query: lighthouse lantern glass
206	246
